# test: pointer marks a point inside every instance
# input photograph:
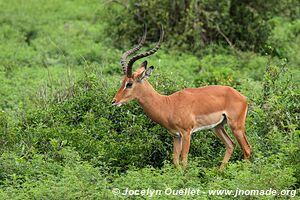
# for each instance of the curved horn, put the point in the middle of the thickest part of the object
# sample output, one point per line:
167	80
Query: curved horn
131	51
142	55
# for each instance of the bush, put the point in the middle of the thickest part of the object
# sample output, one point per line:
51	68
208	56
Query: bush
240	175
190	25
284	39
42	178
218	70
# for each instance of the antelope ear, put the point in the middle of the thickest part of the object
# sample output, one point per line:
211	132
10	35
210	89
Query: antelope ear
146	74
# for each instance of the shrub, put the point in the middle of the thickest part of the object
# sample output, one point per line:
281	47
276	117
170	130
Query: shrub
218	70
42	178
284	39
190	25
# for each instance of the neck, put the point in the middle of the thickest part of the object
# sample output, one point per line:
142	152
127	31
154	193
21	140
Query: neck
152	102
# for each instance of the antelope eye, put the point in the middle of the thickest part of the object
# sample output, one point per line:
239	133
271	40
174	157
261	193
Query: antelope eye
129	85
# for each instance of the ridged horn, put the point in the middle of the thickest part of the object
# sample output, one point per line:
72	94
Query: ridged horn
131	51
142	55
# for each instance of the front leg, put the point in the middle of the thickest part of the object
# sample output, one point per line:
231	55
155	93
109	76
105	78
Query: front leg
186	138
176	150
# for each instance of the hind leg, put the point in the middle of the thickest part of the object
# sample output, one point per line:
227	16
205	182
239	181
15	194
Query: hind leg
236	113
238	131
229	144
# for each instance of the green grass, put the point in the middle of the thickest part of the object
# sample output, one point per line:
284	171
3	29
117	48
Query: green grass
26	84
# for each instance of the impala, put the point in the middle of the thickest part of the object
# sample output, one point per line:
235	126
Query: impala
186	111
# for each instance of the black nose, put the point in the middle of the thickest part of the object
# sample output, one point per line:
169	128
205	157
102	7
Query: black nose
113	102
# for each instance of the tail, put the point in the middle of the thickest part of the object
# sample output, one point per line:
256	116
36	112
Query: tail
245	128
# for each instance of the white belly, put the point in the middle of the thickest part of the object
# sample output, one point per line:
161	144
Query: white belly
200	126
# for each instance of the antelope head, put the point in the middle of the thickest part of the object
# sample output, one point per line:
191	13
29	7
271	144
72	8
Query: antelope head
132	82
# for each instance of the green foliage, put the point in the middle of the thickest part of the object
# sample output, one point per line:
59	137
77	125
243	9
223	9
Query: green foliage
224	75
240	175
191	24
285	39
42	178
89	123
